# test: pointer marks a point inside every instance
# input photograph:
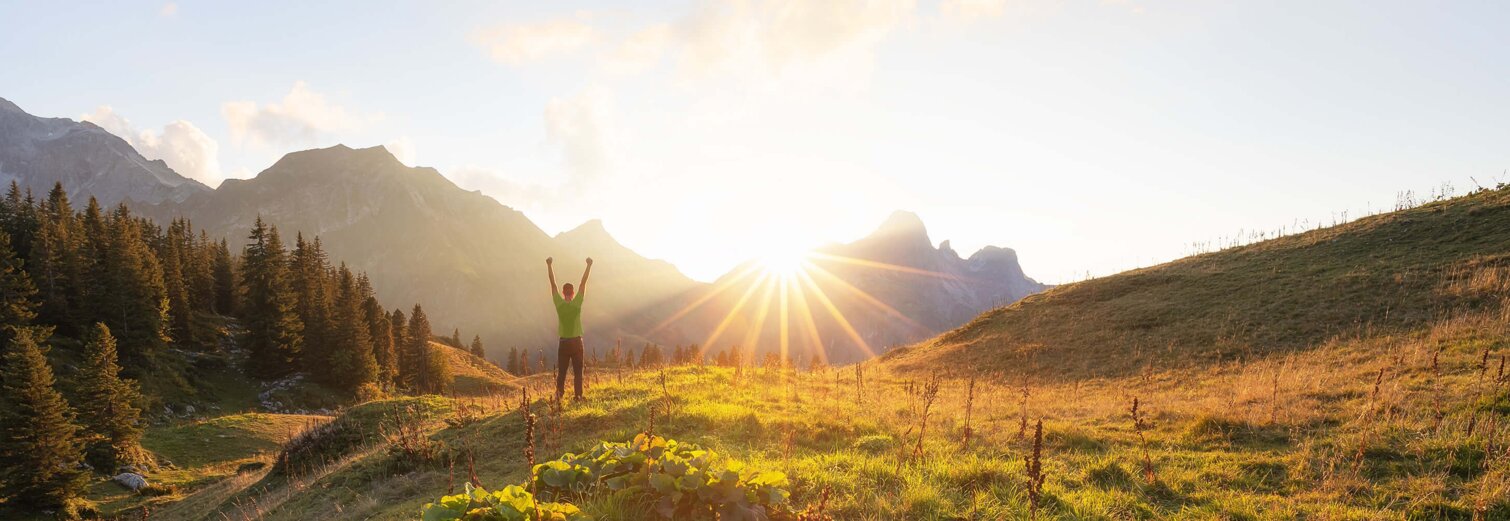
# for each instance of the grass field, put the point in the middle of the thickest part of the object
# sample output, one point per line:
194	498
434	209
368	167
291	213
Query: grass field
1305	436
1347	373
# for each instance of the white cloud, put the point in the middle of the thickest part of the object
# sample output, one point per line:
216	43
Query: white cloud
302	117
180	144
517	44
169	9
403	149
576	124
772	37
640	51
973	9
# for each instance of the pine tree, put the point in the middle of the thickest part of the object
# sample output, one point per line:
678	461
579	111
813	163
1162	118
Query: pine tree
350	362
180	312
312	285
17	310
40	446
272	326
19	219
513	362
427	372
133	296
56	263
224	273
107	407
477	350
380	327
524	363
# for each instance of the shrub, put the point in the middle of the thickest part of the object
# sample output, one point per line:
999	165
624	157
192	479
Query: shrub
874	443
682	480
513	503
157	489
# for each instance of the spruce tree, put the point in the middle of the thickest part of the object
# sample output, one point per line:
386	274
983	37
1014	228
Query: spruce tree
107	407
40	445
17	309
476	347
381	329
415	360
513	362
224	273
180	311
272	326
351	362
134	300
312	285
19	219
48	268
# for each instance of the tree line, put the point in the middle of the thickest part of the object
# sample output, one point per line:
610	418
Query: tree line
120	292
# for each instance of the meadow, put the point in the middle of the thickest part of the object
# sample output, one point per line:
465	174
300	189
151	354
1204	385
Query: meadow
1362	427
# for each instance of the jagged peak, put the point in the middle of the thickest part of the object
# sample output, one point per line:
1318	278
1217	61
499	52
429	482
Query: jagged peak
7	106
591	230
903	225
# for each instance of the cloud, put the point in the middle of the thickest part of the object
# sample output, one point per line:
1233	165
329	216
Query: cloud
302	117
169	9
516	44
180	144
403	149
640	51
768	38
576	124
972	9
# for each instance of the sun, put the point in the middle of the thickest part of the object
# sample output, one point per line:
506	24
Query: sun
783	263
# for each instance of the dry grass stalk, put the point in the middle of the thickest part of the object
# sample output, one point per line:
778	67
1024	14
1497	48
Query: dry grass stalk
969	409
1438	413
1140	424
928	393
529	431
814	512
1022	425
1034	469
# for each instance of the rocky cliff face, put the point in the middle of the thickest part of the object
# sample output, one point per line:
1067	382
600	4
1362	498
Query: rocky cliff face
38	152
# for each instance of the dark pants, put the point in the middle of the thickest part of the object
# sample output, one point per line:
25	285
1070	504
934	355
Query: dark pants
570	352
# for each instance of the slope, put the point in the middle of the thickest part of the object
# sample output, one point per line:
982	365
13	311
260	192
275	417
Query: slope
39	152
1387	273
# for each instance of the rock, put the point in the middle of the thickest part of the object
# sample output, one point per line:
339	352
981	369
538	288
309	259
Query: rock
130	480
188	409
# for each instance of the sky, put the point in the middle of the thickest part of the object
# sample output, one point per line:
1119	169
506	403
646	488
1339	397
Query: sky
1090	136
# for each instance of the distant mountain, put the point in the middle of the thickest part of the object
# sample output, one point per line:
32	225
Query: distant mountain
892	287
478	265
39	152
472	262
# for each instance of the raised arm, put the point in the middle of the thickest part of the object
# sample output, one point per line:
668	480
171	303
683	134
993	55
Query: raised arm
550	269
582	288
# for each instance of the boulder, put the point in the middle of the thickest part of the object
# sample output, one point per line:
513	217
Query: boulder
131	480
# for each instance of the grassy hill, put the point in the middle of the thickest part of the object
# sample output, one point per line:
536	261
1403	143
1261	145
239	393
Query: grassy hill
1384	274
1350	373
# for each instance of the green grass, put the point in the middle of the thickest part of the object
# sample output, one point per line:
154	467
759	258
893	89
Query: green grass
1255	366
1389	273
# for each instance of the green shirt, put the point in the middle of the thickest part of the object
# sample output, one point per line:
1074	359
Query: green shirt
569	313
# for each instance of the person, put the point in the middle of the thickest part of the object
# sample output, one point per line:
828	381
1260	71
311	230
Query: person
568	301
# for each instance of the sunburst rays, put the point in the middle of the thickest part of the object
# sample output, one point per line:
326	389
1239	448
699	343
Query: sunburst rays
799	292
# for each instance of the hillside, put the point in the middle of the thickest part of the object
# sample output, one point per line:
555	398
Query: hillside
477	264
38	152
1389	273
1397	420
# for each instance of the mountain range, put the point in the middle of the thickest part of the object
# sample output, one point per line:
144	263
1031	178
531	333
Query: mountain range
477	264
